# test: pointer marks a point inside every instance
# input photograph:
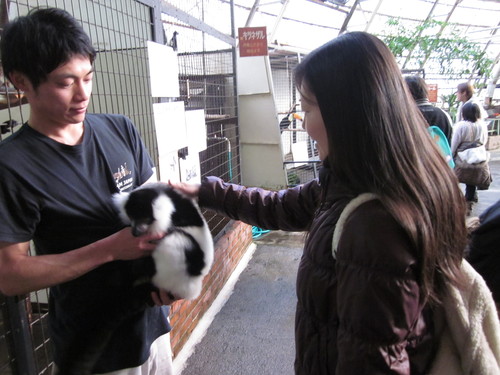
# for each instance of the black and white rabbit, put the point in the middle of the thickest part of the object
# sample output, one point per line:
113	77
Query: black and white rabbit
184	256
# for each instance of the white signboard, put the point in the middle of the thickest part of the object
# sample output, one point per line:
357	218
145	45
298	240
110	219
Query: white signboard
196	131
170	125
163	71
169	167
190	169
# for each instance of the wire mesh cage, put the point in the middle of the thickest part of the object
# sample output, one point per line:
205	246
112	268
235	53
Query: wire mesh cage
300	156
7	358
120	31
38	314
207	81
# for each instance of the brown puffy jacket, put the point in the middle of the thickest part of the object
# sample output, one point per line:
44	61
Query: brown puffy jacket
361	314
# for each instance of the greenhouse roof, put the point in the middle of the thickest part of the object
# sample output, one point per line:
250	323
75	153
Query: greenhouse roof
299	26
447	41
305	24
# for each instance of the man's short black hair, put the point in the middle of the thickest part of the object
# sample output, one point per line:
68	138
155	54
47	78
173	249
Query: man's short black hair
41	41
417	86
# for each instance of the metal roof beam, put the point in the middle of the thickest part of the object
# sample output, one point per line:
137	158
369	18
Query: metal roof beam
429	15
343	29
252	13
196	23
278	19
375	12
330	5
440	32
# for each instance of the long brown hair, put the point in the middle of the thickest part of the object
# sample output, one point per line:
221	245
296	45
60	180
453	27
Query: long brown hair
378	143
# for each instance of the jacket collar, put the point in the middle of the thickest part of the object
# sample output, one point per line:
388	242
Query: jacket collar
332	189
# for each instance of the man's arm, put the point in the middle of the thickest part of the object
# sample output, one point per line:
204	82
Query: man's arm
22	273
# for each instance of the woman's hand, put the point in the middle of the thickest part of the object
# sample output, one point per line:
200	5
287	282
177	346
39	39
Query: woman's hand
190	190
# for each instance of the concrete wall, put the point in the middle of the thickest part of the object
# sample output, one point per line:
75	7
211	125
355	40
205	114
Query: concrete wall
260	141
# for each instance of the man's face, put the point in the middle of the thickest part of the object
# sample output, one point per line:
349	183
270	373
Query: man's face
63	98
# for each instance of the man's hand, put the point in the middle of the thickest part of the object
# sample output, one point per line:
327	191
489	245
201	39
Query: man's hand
162	297
124	246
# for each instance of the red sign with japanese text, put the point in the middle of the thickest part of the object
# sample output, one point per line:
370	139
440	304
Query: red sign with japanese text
252	41
432	94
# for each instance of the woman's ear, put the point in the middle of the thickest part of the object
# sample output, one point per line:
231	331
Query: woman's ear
20	81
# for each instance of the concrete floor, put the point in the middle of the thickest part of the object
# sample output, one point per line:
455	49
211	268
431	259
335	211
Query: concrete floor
252	333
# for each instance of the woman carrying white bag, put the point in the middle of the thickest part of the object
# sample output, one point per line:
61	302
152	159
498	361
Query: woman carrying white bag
468	147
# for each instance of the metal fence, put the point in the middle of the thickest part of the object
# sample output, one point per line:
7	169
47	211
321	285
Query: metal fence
120	31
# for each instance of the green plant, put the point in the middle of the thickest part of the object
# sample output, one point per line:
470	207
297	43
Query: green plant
449	102
438	46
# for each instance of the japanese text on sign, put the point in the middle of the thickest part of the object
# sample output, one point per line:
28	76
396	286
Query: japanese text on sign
252	41
432	92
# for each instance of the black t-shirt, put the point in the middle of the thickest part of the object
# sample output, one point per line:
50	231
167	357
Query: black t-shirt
437	117
60	197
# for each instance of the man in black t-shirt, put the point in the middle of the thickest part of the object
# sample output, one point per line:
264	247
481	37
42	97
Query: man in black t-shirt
59	172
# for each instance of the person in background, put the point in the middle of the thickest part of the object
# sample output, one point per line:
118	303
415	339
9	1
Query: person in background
370	310
433	115
465	93
59	172
471	130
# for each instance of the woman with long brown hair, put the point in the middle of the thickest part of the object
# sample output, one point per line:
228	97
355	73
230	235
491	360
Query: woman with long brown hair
372	309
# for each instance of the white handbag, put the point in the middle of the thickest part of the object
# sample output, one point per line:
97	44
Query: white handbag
474	155
472	151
